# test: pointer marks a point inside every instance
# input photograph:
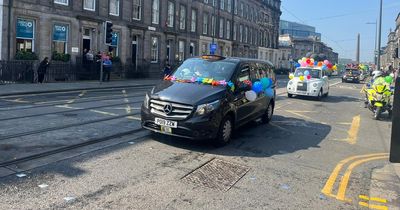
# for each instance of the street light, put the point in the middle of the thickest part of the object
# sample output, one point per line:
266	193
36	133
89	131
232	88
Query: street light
376	41
378	63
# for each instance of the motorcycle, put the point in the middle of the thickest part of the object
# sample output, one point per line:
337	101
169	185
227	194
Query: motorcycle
379	99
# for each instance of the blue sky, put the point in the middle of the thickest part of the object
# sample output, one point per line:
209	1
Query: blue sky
340	21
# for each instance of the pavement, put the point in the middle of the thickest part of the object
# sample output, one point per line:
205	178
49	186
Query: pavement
326	154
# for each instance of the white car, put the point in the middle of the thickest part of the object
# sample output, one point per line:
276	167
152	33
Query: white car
316	86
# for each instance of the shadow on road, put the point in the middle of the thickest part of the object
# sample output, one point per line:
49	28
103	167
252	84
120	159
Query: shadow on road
283	135
330	99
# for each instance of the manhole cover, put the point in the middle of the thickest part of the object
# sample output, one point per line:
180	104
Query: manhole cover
217	174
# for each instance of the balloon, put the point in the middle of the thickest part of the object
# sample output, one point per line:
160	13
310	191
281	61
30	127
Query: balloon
199	80
308	77
291	76
297	65
326	62
215	83
257	87
312	60
223	82
320	64
301	78
389	79
299	61
334	67
232	86
306	73
251	95
248	83
303	64
315	63
304	59
324	67
392	75
308	61
269	92
266	83
329	66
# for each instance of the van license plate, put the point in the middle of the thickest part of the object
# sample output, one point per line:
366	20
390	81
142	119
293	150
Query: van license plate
300	84
166	123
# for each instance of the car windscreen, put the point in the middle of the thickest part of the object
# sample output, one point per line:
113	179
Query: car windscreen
352	72
200	68
315	73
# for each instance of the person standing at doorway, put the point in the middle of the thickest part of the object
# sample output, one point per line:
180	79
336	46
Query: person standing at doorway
42	69
167	70
107	66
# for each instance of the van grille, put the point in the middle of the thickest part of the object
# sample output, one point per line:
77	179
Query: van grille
178	111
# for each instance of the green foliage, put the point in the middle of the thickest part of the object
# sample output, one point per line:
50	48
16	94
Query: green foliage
24	55
61	57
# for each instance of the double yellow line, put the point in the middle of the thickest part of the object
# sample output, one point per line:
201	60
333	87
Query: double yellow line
358	160
372	206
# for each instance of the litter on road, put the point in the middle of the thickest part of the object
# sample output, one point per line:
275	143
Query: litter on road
21	175
43	186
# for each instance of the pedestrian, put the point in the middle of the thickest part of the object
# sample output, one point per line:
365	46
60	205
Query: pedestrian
107	67
90	56
167	70
42	69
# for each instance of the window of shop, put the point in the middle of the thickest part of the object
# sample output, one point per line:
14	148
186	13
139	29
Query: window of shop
114	7
205	23
62	2
181	52
194	20
137	9
89	5
154	49
60	38
25	35
115	44
155	13
182	16
171	14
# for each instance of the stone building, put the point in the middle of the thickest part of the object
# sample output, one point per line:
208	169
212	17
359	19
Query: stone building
390	56
150	32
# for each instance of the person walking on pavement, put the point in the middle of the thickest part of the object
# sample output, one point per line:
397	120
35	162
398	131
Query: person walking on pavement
42	69
167	70
107	66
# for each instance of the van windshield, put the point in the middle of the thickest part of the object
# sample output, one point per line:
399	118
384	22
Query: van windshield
217	70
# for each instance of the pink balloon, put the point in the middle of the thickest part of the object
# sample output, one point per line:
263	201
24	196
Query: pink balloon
326	62
303	64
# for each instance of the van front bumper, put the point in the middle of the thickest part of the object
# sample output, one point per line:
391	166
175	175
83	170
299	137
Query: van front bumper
195	128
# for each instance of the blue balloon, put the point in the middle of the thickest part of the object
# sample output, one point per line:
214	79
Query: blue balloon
266	83
324	67
270	82
257	87
199	80
269	92
297	65
306	73
315	63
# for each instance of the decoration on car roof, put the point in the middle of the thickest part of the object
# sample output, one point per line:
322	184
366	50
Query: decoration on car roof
310	62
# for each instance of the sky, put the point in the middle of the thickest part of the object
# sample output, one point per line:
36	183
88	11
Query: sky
340	21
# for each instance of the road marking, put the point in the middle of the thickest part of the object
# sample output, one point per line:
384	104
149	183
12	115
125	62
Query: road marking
371	206
380	200
334	84
79	96
353	131
104	113
68	107
301	111
66	100
18	100
327	190
128	108
305	117
134	118
284	105
345	179
344	123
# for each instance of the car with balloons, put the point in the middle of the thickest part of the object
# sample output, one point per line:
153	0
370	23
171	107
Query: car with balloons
310	79
208	97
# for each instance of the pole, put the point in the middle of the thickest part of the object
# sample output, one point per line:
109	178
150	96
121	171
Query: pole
378	65
101	69
358	50
395	143
376	43
10	5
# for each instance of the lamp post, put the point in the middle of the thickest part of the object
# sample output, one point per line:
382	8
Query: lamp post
376	40
378	63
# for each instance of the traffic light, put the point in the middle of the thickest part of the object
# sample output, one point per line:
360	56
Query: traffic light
108	32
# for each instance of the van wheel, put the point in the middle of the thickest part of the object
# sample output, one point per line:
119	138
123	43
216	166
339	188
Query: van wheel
225	132
266	118
290	95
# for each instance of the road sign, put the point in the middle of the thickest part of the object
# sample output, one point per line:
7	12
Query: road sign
213	48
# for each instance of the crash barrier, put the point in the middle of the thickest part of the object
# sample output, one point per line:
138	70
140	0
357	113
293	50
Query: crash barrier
395	143
26	71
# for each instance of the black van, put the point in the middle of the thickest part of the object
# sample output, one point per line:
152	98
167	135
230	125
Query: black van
202	111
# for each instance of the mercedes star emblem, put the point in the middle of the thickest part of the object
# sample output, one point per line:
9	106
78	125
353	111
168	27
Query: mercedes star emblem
167	108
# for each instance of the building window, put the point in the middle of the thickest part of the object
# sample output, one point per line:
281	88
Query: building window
236	7
114	7
155	12
214	3
192	49
228	29
181	51
229	6
241	9
234	32
171	14
221	28
115	44
204	49
154	49
60	38
194	21
62	2
25	35
182	21
89	5
213	25
222	4
241	33
205	23
137	9
246	33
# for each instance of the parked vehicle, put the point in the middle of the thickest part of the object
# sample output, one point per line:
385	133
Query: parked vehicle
184	107
351	75
317	85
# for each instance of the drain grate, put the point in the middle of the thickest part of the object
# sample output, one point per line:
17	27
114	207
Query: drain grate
217	174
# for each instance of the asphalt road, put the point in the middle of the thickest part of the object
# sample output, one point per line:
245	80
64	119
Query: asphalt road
313	155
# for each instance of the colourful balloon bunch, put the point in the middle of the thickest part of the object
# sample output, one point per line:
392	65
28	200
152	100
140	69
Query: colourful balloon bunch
310	62
264	85
206	81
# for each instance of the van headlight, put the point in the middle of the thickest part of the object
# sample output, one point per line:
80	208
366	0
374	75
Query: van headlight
290	83
146	101
207	108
